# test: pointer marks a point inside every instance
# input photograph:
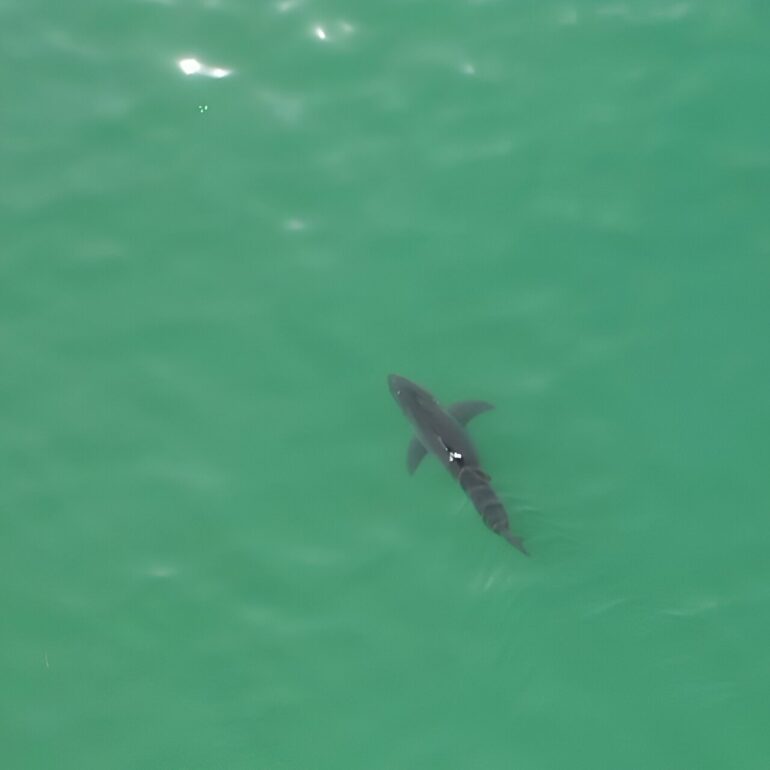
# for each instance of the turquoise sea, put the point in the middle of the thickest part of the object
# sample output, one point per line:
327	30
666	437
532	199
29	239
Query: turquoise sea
223	223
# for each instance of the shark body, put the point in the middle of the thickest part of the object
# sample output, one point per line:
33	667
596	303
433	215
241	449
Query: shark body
441	432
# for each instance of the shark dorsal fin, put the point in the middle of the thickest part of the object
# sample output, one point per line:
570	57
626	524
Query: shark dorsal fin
465	411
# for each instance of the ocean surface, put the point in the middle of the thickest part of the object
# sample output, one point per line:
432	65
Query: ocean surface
223	223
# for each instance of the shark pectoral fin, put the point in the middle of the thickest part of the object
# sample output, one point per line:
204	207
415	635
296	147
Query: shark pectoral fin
465	411
415	454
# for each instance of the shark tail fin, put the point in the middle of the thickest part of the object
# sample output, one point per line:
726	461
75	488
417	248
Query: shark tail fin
515	541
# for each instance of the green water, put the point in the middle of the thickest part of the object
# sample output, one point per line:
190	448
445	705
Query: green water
211	555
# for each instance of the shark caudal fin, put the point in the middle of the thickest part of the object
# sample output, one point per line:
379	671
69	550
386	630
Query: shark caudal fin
516	542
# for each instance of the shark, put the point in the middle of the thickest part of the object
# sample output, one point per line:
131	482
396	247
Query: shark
442	433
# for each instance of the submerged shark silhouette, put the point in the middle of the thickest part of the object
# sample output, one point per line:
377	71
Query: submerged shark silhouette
442	433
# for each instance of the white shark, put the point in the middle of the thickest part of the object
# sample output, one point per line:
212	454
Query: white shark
441	432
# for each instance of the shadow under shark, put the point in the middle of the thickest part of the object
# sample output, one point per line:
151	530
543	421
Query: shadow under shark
442	433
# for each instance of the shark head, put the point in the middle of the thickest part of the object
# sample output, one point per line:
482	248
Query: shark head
409	395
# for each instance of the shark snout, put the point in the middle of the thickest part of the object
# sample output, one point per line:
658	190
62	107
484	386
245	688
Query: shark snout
397	384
